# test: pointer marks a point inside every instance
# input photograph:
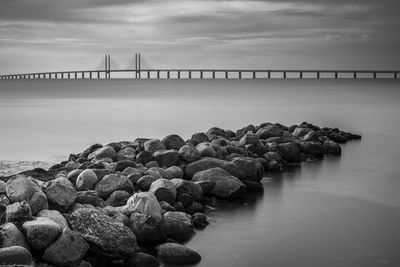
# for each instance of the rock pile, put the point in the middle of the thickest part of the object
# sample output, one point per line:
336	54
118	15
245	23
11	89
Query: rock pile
108	204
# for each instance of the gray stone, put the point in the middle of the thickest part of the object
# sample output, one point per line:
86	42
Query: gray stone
173	141
127	153
147	229
188	187
104	152
15	255
18	212
86	180
289	152
73	175
10	235
332	148
248	169
41	232
174	172
164	190
208	163
173	253
153	145
188	153
61	194
55	216
113	182
118	198
90	197
270	131
178	225
166	158
145	203
141	259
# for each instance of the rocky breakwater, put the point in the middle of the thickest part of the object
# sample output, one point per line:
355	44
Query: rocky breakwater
134	203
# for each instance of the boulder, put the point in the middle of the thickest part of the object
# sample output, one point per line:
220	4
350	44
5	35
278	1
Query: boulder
41	232
249	138
141	259
55	216
126	153
103	152
10	235
166	158
144	157
145	182
301	131
194	207
311	147
248	169
118	198
225	184
164	190
270	131
105	235
20	188
18	212
15	256
289	152
86	180
145	203
123	164
187	187
67	250
3	187
147	229
208	163
61	194
172	253
174	172
199	220
201	137
207	150
73	175
90	197
173	141
153	145
332	148
178	225
188	153
111	183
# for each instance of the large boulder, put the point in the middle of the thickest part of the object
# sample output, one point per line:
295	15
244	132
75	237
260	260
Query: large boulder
145	203
311	147
15	256
289	152
60	193
141	259
225	184
20	188
248	139
41	232
178	225
172	253
67	250
111	183
10	235
55	216
90	197
332	148
207	150
166	158
105	235
153	145
118	198
248	169
270	131
173	141
145	182
103	152
86	180
126	153
174	172
123	164
189	154
187	187
18	212
147	229
208	163
164	190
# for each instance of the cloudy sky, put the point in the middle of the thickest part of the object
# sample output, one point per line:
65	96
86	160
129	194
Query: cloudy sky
40	35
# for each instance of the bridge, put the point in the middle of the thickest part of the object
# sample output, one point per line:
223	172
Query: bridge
138	72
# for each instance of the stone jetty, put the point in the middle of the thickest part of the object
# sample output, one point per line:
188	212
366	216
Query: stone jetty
134	203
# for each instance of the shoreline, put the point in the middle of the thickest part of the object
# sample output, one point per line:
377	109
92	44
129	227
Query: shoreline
154	192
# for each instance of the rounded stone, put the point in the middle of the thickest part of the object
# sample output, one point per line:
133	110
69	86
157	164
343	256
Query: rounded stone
173	253
41	232
15	255
86	180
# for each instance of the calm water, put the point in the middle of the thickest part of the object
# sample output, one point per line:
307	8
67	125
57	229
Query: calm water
337	212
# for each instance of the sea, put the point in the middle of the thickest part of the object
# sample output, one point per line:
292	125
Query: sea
340	211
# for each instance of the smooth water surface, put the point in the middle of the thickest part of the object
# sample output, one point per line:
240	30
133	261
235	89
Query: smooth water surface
336	212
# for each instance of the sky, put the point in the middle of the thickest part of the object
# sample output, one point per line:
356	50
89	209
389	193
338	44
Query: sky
51	35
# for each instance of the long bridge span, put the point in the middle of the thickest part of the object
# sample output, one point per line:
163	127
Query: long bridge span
175	73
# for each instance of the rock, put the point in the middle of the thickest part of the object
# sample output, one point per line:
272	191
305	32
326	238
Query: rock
249	138
18	212
207	150
165	206
225	184
162	173
289	152
248	169
188	153
174	172
10	235
105	235
15	255
41	232
270	131
90	150
200	220
86	180
145	203
166	158
118	198
178	225
301	131
123	164
206	186
200	137
115	213
104	152
311	147
164	190
73	175
141	259
127	153
67	250
188	187
144	157
194	207
20	188
61	194
147	229
332	148
90	197
55	216
111	183
145	182
185	199
208	163
253	186
153	145
173	141
178	206
3	187
177	254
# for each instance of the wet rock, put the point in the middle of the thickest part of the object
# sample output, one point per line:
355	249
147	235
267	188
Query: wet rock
301	131
141	259
86	180
185	199
18	212
172	253
270	131
164	190
311	147
61	194
200	220
189	154
206	186
200	137
67	250
41	232
248	169
289	152
178	225
148	229
225	184
208	163
144	157
153	145
105	235
173	141
145	203
332	148
55	216
118	198
194	207
188	187
10	235
111	183
3	187
103	152
166	158
15	255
